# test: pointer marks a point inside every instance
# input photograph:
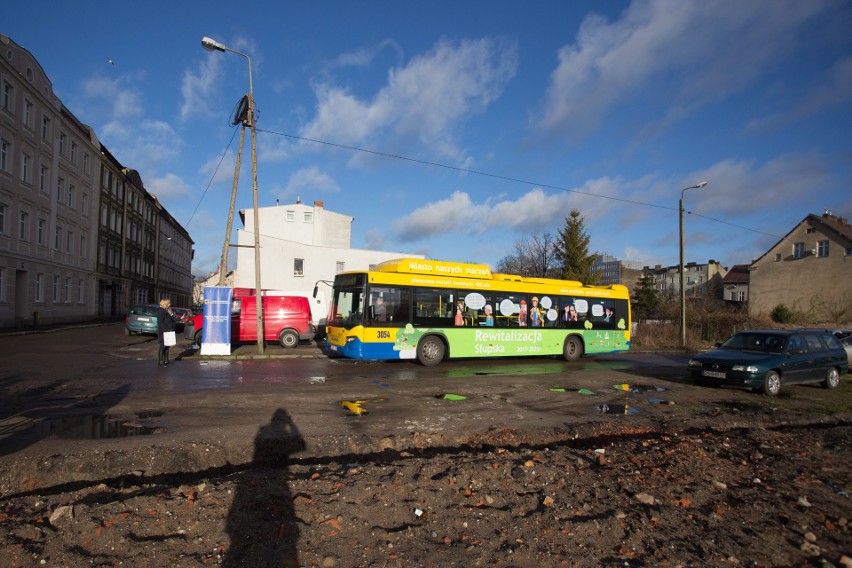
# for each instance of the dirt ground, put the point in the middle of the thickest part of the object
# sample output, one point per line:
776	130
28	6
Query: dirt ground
735	485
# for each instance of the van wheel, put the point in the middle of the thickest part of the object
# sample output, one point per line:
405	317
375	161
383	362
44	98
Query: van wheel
288	338
771	383
832	379
573	348
430	351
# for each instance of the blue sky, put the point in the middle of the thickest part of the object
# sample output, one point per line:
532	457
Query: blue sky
529	109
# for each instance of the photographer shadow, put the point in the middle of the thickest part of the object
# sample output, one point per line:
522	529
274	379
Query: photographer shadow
262	523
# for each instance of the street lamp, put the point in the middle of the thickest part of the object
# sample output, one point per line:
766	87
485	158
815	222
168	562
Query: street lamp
682	282
213	45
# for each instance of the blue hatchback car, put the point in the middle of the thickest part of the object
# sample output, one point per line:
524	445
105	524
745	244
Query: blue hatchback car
142	318
767	358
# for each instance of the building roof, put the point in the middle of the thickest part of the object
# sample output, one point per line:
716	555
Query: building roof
838	226
738	274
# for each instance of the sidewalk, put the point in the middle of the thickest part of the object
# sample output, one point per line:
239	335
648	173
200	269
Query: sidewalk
272	350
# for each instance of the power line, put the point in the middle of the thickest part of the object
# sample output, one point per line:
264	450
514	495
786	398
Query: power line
212	177
505	178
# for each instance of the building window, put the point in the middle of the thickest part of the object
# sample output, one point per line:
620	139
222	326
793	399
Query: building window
80	291
8	96
71	191
41	234
66	292
291	216
45	128
777	257
55	289
39	288
28	113
60	190
57	240
62	138
42	179
810	230
298	267
26	168
86	162
822	248
23	225
798	250
82	246
73	154
341	266
84	204
4	212
5	152
309	216
69	241
2	284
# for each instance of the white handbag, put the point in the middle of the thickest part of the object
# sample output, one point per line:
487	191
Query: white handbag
169	338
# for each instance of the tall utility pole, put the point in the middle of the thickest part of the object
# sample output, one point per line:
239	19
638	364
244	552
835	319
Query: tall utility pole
682	283
248	120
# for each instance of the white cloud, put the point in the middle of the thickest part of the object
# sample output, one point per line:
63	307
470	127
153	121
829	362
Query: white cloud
170	186
117	100
423	102
691	52
310	179
197	86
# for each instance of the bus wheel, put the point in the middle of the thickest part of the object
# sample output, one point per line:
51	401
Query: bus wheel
573	348
430	351
288	338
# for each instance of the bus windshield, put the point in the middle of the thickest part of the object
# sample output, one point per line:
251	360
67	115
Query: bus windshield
347	307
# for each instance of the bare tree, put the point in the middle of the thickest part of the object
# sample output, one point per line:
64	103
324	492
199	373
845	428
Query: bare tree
535	257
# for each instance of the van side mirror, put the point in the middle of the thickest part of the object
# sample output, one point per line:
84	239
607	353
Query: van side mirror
316	289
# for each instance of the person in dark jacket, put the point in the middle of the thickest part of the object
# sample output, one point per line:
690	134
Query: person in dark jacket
165	322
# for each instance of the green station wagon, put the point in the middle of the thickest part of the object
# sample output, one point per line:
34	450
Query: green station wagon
765	359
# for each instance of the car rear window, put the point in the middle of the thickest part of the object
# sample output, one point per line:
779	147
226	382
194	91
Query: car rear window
143	311
831	341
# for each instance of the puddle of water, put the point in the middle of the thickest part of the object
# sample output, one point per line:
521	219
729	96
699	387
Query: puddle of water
578	391
616	409
658	401
97	427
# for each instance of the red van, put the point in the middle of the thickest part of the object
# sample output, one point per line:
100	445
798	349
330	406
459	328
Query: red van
286	319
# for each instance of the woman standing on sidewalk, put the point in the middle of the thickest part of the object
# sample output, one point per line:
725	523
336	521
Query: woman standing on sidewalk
165	323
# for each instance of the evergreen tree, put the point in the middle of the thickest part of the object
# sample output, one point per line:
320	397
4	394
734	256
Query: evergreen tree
645	297
572	250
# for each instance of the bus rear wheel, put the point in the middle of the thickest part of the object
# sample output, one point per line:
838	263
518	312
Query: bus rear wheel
430	351
573	348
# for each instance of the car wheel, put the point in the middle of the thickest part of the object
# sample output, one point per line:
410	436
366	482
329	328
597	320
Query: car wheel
196	339
573	348
288	338
126	331
771	383
430	351
832	379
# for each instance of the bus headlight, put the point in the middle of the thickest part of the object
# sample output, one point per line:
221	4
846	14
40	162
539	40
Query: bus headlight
350	339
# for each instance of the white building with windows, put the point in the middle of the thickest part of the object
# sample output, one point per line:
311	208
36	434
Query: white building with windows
301	246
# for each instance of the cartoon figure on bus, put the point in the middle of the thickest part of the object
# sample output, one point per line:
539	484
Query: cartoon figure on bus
522	314
459	314
489	318
536	317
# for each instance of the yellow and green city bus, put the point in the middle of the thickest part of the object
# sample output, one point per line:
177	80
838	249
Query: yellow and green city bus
431	310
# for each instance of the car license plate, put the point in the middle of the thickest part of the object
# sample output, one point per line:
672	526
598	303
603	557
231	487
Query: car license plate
713	374
143	319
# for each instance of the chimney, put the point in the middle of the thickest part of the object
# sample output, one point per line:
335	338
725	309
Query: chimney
319	204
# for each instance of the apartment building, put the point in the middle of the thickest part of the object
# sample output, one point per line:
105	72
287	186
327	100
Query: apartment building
80	237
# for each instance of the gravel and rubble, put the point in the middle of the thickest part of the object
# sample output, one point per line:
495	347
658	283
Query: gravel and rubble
741	493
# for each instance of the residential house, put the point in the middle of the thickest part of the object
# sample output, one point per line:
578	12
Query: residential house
735	284
809	270
701	279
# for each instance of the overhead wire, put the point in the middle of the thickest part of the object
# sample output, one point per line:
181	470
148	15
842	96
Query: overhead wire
505	178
